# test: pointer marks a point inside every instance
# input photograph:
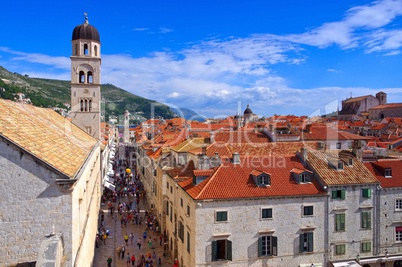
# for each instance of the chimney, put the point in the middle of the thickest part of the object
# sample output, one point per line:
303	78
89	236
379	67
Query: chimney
236	158
357	149
303	154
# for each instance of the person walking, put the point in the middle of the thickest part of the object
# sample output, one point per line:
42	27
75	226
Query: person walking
131	238
109	261
128	259
133	260
123	250
126	239
139	243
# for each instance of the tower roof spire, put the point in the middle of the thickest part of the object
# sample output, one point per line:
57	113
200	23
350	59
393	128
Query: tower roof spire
86	17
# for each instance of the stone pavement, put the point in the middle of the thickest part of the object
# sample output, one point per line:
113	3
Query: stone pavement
116	238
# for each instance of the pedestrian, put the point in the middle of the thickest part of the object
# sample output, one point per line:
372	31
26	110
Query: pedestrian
126	239
139	243
128	259
109	261
160	240
118	251
123	250
159	262
131	238
150	243
154	256
133	260
144	235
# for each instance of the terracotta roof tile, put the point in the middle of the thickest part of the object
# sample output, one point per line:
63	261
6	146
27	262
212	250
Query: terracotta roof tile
377	168
234	181
47	135
357	173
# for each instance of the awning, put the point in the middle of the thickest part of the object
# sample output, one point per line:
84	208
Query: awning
381	259
109	179
110	186
349	263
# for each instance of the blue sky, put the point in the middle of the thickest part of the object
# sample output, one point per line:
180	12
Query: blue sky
281	57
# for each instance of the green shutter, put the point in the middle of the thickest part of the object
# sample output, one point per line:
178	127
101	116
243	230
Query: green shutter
301	245
260	246
229	250
334	193
274	246
214	250
343	194
367	192
310	243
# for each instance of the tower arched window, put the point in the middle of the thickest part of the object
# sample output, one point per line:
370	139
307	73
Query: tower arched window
96	50
86	50
81	77
89	77
86	105
82	105
90	105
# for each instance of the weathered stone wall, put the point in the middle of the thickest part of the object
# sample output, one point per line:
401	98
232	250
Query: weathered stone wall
31	205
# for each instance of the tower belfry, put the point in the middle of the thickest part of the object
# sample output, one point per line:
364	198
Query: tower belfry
85	78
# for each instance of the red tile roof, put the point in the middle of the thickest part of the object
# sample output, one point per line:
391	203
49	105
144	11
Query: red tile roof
377	168
245	136
234	180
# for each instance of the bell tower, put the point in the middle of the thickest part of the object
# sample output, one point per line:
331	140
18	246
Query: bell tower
85	79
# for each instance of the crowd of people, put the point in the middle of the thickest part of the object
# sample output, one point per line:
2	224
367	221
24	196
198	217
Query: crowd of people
126	200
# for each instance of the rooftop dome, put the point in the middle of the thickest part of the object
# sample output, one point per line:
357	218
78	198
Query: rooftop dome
248	110
86	31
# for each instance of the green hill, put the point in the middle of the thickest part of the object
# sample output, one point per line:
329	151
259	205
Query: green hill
56	93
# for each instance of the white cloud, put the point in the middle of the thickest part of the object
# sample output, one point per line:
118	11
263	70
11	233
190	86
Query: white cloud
140	29
164	30
174	95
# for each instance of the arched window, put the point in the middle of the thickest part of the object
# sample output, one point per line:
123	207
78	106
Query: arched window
89	77
86	49
82	77
96	50
82	105
90	105
86	105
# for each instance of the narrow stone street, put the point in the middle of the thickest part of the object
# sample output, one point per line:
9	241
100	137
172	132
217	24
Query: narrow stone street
116	239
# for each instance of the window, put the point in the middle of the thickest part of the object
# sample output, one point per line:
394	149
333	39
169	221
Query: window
171	213
267	246
350	161
263	180
188	242
366	192
340	249
388	173
308	210
340	222
81	77
181	202
181	231
89	77
221	250
304	178
167	208
85	49
340	165
398	234
96	50
221	216
188	210
167	186
266	213
366	246
398	204
338	145
338	194
306	242
366	220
